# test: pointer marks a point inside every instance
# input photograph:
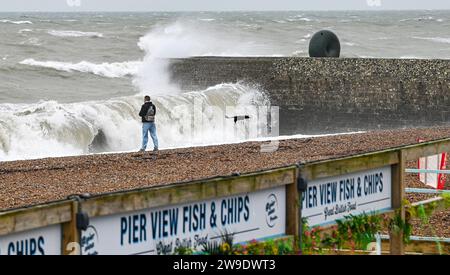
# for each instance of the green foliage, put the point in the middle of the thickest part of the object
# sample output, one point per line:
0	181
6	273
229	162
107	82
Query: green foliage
356	231
311	239
211	248
226	248
269	247
183	250
285	247
399	225
254	247
446	198
360	230
424	212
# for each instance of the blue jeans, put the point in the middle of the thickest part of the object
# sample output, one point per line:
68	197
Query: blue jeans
146	127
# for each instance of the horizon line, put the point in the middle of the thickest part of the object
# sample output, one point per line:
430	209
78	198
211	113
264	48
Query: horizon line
177	11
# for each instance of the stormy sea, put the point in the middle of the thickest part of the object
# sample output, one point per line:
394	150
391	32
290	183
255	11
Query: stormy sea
73	83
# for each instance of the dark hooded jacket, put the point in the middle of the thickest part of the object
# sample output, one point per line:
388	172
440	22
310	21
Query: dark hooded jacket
144	110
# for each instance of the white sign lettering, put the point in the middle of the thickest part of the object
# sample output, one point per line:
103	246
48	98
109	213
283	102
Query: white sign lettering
161	230
41	241
329	199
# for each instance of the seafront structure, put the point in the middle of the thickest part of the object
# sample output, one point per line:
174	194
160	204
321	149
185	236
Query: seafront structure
333	95
108	204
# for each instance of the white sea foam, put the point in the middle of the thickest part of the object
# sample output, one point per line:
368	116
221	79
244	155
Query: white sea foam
34	41
364	56
49	128
254	27
299	53
410	57
25	30
112	70
297	18
380	38
422	18
300	41
15	22
74	34
435	39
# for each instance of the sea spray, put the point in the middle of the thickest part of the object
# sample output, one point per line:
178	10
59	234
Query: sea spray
49	128
182	39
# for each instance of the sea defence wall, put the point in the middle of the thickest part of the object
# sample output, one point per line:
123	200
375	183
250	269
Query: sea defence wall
328	95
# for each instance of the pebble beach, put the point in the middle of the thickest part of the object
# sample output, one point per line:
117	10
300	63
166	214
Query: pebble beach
30	182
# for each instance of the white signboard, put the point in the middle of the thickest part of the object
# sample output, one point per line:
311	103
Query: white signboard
41	241
161	230
329	199
436	162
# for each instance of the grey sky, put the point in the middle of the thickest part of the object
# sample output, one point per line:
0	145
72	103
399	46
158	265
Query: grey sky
217	5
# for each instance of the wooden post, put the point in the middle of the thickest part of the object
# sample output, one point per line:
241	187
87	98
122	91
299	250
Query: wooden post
300	223
292	208
397	247
71	244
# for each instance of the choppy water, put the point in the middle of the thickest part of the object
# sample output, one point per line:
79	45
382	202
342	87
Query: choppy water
66	77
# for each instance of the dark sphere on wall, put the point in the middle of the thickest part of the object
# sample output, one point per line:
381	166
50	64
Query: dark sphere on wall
324	44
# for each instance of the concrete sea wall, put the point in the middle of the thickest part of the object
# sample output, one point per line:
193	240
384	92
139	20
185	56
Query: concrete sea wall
318	95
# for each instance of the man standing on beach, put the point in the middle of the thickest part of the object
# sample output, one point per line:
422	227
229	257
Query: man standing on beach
147	113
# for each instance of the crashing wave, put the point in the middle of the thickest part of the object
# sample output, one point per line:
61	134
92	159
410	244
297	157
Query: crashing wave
48	128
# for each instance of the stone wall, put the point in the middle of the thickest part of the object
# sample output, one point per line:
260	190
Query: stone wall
319	95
